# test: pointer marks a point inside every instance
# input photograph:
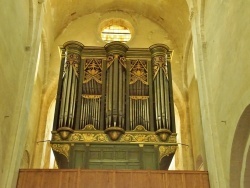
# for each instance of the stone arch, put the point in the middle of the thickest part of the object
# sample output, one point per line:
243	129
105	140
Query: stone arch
186	55
45	44
47	160
240	152
47	102
184	153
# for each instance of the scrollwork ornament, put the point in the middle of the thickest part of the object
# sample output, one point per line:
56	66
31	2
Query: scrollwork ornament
160	63
89	137
166	151
93	70
139	71
56	137
122	61
139	138
89	127
62	149
110	60
73	60
139	128
172	139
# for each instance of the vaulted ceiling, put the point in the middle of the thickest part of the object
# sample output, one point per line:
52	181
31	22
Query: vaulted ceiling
171	15
159	21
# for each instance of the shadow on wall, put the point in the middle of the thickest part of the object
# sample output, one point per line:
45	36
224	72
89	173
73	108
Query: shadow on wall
240	153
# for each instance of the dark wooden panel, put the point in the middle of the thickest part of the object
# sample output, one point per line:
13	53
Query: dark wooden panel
140	179
157	179
123	179
193	179
174	180
29	179
205	180
95	179
114	157
52	178
68	179
76	178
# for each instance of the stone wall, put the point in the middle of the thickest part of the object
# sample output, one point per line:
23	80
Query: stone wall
221	41
20	39
211	93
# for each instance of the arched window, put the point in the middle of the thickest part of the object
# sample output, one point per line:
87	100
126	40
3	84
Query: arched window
116	33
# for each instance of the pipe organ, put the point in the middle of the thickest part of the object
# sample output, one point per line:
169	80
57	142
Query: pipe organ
114	107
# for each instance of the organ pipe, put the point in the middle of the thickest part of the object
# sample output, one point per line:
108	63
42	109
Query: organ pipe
68	85
116	73
161	79
112	90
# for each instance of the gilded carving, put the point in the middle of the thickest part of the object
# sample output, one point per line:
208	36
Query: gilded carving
122	60
90	137
139	97
139	71
93	70
139	128
89	128
91	96
72	59
139	134
160	63
102	137
110	60
56	137
62	149
166	151
172	139
139	138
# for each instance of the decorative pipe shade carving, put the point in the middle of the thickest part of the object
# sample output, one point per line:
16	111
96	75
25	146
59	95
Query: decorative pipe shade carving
114	86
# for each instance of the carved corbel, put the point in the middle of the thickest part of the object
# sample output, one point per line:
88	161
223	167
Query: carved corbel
166	151
62	149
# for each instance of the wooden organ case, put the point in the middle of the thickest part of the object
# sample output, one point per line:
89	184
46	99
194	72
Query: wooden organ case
114	108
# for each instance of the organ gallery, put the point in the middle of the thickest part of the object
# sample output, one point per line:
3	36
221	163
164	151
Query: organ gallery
114	107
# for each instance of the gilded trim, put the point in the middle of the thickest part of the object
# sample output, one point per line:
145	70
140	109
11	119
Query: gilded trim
62	149
139	97
110	60
166	151
139	71
159	62
93	70
90	134
91	96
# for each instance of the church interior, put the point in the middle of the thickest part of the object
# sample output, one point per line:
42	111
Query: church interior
205	42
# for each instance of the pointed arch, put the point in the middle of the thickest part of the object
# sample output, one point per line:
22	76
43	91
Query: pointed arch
240	152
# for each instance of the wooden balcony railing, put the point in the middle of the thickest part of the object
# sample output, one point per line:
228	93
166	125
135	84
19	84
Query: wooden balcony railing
77	178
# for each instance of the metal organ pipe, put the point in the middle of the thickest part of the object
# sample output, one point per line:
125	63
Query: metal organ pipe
124	94
65	107
116	71
162	89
